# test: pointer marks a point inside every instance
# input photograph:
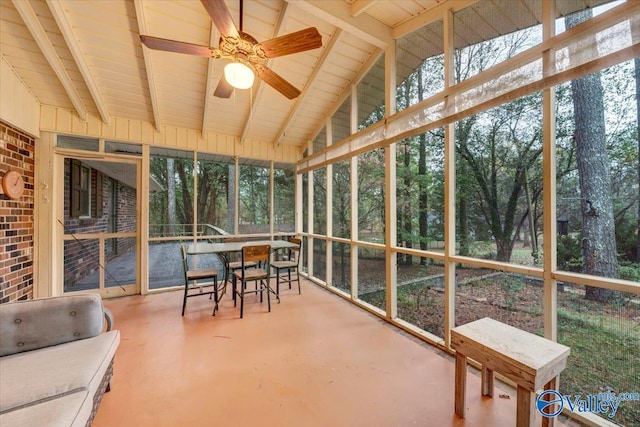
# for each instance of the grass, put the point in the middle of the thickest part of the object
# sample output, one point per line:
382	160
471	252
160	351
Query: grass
603	358
604	338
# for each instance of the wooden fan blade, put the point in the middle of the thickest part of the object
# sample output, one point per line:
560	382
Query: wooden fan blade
219	13
278	83
296	42
224	89
175	46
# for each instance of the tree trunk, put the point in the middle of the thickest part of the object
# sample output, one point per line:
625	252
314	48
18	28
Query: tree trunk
408	229
463	227
637	72
423	214
343	270
231	199
526	240
186	213
532	225
423	197
599	243
462	131
171	197
504	248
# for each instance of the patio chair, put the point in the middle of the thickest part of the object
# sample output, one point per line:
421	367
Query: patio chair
290	264
204	281
252	255
236	264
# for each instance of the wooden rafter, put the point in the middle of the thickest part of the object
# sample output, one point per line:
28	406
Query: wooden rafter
212	80
338	13
260	85
40	36
430	15
57	9
360	6
316	69
363	72
142	29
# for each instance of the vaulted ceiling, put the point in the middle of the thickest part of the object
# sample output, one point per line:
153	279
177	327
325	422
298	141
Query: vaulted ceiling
86	56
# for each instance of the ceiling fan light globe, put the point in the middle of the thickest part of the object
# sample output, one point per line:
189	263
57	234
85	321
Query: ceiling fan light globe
238	75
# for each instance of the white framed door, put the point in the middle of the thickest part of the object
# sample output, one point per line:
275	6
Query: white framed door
98	224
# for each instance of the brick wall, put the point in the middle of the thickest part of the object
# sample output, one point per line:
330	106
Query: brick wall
16	217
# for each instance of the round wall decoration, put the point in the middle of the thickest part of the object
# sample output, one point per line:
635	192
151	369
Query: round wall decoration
13	184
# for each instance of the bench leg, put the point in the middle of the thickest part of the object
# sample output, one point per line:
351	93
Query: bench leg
487	381
524	415
551	385
461	382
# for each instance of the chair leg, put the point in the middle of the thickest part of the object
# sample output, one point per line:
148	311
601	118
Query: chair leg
298	277
277	291
184	300
289	273
268	292
242	285
215	293
234	283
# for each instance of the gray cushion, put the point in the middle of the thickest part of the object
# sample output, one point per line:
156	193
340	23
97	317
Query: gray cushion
70	410
33	324
55	371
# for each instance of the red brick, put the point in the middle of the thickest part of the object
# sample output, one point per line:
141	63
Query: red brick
16	217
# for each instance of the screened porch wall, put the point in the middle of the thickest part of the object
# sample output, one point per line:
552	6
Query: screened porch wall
412	265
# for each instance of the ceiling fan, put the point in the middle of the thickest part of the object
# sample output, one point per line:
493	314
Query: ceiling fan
247	55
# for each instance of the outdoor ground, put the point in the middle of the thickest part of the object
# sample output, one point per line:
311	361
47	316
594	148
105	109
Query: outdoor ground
604	337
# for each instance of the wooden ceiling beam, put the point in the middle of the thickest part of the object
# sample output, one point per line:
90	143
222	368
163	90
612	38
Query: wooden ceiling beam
30	19
57	9
339	14
363	72
260	84
429	15
212	81
316	69
360	6
142	29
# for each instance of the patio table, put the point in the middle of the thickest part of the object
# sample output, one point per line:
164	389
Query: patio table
223	249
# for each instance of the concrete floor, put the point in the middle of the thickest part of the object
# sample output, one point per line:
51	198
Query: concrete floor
315	360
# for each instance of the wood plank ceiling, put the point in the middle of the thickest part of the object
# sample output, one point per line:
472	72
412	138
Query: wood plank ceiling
87	56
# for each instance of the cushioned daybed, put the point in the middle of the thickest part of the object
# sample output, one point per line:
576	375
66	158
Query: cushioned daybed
56	360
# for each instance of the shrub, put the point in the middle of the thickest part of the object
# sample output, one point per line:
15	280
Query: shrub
627	240
630	271
570	253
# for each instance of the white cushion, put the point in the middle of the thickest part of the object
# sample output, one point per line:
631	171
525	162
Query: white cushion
70	410
35	324
33	376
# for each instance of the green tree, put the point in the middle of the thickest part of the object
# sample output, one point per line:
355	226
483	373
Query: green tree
636	63
503	146
254	195
483	156
599	243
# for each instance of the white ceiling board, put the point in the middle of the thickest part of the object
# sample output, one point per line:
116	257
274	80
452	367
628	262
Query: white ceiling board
177	89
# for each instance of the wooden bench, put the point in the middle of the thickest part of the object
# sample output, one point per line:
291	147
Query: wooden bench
532	362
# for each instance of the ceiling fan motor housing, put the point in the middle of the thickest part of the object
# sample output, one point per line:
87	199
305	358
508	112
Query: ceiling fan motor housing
243	49
240	47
